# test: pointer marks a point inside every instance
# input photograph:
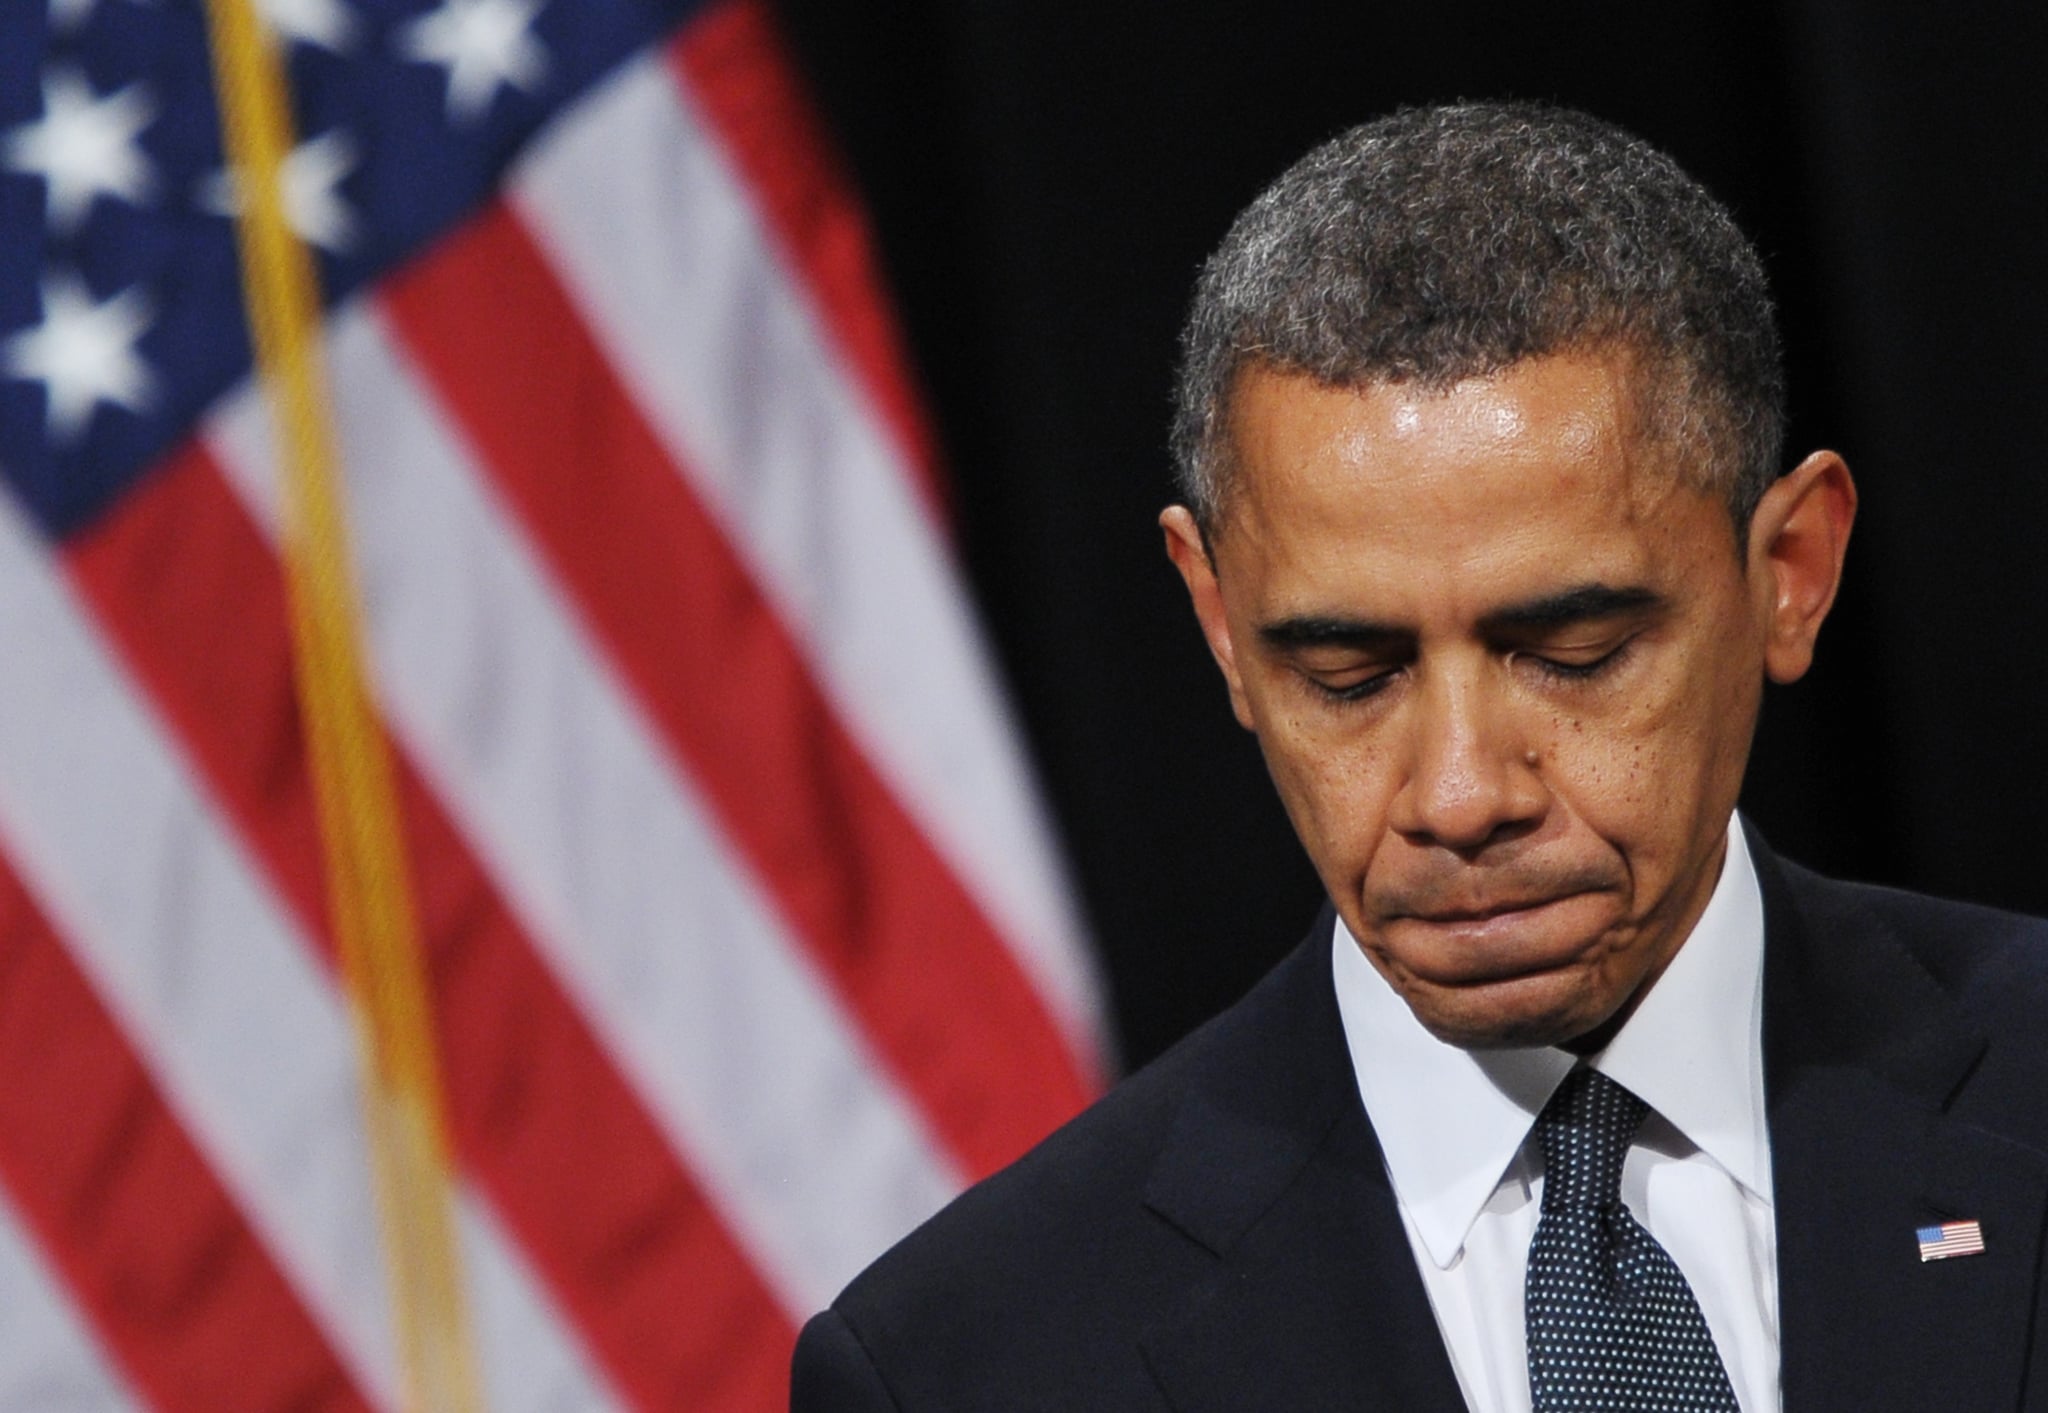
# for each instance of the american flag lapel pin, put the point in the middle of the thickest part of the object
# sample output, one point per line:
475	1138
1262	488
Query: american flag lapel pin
1950	1239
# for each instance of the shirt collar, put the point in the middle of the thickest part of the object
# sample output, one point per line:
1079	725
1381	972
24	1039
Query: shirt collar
1450	1121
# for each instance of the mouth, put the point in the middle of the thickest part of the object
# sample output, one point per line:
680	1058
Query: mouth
1485	912
1497	941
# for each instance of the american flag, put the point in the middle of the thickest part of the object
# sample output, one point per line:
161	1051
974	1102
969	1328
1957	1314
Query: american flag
1950	1239
745	944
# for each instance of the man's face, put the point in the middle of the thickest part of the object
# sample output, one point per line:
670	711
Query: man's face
1504	666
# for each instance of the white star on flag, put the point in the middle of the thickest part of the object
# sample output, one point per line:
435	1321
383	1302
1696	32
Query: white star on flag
483	44
313	208
327	23
84	146
70	14
84	353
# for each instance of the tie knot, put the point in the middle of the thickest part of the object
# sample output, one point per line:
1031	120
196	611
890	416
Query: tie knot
1585	1131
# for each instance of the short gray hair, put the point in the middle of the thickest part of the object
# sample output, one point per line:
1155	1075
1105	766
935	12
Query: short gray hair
1445	243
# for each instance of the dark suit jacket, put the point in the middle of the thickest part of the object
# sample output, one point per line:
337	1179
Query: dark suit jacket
1219	1232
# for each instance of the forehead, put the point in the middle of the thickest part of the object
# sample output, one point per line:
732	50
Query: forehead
1497	486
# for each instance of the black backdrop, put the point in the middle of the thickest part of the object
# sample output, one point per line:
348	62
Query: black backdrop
1045	177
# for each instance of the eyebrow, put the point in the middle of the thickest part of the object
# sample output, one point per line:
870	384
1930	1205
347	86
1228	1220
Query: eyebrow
1582	603
1316	631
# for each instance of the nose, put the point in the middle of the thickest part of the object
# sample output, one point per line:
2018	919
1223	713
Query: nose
1470	778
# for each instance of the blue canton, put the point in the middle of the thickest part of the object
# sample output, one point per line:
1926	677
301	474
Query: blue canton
120	294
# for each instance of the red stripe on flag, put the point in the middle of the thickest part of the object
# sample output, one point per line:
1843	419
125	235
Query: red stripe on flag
180	1291
577	1168
734	64
917	963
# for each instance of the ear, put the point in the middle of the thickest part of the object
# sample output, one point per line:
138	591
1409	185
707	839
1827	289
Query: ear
1797	539
1184	546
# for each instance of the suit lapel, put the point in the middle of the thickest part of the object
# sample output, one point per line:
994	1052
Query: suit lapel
1863	1056
1313	1301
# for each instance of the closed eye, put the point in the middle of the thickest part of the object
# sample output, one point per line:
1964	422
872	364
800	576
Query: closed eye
1355	691
1578	669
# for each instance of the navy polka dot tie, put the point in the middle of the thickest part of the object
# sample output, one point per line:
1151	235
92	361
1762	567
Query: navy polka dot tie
1612	1324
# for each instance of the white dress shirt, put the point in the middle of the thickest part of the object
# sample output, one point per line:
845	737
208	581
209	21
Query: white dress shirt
1456	1129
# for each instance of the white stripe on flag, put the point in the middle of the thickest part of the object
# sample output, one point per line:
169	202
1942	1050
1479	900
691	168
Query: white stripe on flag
521	1373
644	221
214	985
49	1363
647	917
188	949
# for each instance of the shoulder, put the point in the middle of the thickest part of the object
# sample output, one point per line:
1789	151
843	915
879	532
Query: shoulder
1984	967
1981	956
1036	1284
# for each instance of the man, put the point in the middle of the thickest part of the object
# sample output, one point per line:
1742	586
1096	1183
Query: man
1576	1098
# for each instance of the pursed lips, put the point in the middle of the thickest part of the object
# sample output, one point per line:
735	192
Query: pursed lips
1495	941
1489	910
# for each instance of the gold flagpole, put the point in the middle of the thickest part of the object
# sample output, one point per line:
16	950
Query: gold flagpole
369	895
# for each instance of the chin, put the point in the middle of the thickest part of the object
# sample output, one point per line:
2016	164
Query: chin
1506	1016
1515	1033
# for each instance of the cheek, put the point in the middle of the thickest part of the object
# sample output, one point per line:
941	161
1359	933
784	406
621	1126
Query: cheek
1335	784
1662	768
